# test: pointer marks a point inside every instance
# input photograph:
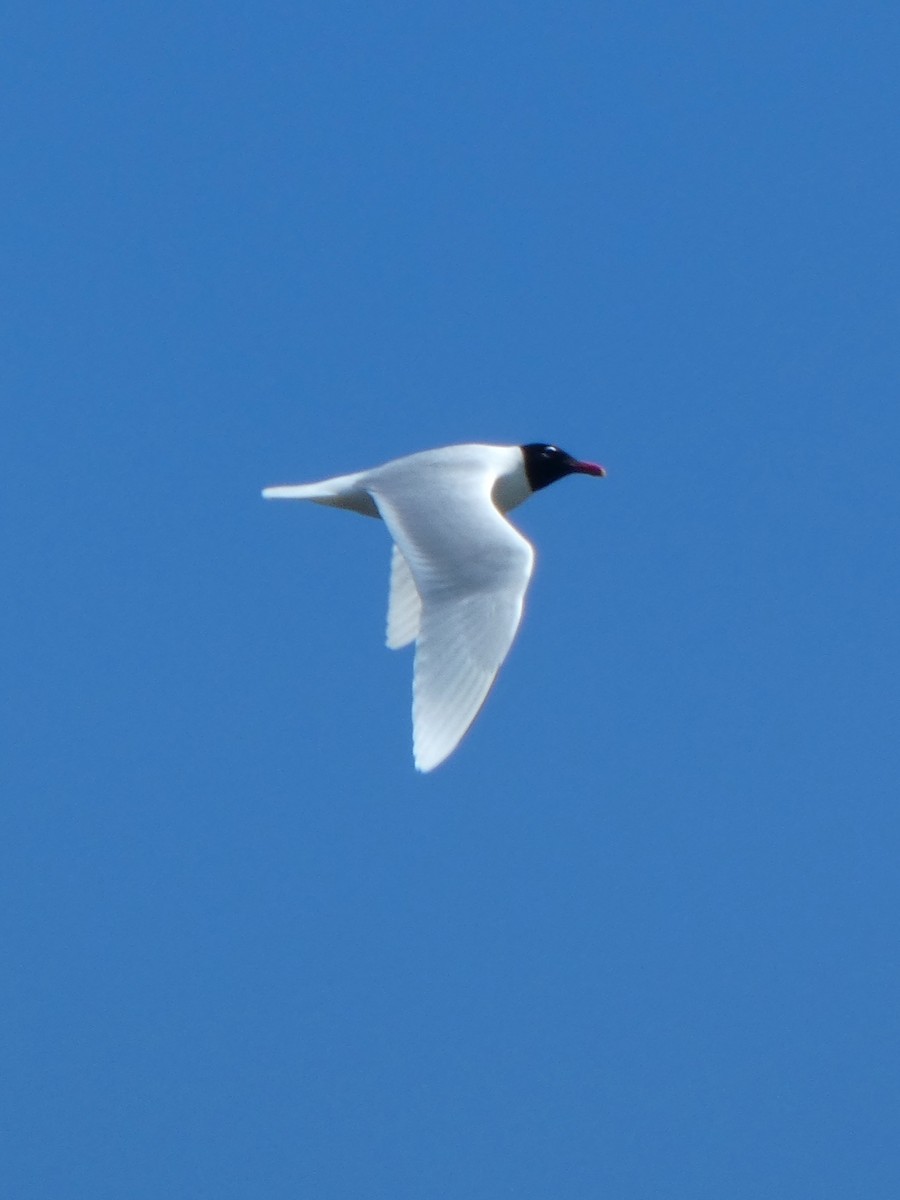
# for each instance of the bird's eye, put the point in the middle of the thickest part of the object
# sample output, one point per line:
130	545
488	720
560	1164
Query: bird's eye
551	450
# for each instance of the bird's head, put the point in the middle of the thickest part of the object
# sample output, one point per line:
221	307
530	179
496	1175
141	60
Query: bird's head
545	463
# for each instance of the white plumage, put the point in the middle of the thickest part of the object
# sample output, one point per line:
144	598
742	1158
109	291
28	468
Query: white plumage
459	569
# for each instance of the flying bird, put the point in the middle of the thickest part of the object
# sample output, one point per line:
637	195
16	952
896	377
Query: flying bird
459	568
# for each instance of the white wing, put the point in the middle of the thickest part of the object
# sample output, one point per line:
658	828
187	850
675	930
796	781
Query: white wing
404	606
471	569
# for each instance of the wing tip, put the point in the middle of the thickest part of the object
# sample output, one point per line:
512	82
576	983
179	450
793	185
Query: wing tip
424	763
395	641
430	753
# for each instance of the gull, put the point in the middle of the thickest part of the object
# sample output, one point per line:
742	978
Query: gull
459	568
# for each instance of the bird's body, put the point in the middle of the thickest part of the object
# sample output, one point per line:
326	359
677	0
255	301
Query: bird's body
459	569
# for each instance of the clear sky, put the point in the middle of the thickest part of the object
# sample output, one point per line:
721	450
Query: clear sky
638	938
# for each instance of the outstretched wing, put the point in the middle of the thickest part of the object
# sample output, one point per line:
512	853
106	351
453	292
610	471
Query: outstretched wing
404	605
471	569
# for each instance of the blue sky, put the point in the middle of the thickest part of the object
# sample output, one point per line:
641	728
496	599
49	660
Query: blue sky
638	937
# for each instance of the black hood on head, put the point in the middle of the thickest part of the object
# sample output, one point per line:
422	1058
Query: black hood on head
544	464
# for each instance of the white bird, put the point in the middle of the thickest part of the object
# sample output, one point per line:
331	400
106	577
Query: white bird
459	569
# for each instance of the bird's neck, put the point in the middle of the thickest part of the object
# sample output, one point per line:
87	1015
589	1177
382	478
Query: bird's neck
512	487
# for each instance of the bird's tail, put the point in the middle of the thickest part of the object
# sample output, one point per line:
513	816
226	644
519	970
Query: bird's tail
344	491
300	491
